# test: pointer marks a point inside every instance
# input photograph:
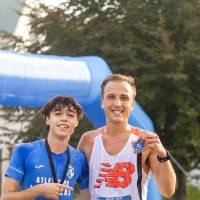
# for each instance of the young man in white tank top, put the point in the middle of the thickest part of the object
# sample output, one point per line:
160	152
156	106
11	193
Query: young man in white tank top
113	164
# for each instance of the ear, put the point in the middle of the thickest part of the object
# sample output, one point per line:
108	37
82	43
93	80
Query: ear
102	106
76	124
47	120
133	103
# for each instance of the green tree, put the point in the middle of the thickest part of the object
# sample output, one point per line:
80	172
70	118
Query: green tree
156	41
22	124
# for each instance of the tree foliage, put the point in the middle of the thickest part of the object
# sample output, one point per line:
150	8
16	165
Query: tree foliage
20	124
156	41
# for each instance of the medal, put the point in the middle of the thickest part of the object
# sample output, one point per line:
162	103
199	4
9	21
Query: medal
138	147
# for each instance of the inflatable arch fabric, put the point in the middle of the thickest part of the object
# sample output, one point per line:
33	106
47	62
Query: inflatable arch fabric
30	80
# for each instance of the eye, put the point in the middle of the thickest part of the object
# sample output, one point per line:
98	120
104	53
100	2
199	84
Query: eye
111	97
124	98
71	115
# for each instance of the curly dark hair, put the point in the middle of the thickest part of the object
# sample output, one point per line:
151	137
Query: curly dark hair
58	103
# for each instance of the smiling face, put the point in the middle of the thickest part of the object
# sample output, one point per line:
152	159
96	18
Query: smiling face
117	101
62	122
61	114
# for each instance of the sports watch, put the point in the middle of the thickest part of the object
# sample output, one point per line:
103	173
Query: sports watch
164	159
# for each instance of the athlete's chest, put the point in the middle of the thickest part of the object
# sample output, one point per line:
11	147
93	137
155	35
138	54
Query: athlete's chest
114	146
39	169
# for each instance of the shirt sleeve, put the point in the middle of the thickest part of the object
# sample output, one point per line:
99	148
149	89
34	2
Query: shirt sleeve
15	169
83	180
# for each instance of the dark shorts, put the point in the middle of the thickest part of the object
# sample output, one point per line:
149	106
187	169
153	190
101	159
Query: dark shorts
115	198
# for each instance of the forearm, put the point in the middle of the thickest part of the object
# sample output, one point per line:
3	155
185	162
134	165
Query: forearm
28	194
166	179
85	194
160	164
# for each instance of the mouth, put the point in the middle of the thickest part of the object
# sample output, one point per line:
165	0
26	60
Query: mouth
117	112
63	126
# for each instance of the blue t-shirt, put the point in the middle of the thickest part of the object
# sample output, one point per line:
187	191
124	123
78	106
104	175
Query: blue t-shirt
29	165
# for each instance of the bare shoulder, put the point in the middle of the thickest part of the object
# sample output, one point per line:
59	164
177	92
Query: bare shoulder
86	142
87	138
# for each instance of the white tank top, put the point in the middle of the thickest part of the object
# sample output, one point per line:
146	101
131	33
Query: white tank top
115	177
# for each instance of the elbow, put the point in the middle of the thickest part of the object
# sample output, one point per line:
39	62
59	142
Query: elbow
3	198
169	188
169	192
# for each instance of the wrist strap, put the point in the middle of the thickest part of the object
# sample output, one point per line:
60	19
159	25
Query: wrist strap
164	159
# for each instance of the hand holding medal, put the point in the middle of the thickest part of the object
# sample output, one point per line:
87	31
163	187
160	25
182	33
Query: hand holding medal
149	140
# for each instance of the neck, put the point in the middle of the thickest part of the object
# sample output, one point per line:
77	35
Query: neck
56	144
117	129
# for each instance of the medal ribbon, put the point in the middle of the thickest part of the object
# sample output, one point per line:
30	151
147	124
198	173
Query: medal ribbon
53	171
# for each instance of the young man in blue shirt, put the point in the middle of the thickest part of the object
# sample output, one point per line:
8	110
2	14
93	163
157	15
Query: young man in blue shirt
49	169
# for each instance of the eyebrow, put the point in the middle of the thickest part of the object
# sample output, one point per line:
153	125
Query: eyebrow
115	94
73	111
68	108
125	95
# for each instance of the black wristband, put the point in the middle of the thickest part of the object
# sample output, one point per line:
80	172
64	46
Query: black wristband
164	159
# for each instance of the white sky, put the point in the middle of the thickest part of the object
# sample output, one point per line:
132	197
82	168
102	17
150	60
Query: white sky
22	29
52	2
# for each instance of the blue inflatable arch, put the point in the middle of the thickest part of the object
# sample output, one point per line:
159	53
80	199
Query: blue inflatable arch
30	80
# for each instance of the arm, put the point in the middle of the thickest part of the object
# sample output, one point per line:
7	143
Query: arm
163	172
86	143
164	175
9	191
10	188
14	175
83	180
85	194
49	190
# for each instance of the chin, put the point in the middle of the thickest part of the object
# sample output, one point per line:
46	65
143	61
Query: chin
116	121
63	135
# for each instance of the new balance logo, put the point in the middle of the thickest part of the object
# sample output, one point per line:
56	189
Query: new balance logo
116	177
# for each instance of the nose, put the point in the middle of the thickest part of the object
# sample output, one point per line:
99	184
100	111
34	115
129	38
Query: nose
117	102
64	117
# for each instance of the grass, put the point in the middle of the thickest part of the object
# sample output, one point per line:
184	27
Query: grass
193	193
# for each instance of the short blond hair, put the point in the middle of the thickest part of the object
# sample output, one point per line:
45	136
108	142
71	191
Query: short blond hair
119	77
